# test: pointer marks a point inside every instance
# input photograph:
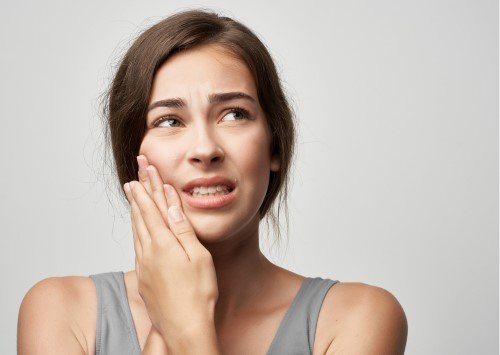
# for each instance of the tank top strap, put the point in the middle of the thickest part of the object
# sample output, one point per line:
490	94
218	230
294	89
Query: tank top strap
115	329
116	333
297	331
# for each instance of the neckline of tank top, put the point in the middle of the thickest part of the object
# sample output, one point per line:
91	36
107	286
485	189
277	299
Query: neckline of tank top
303	285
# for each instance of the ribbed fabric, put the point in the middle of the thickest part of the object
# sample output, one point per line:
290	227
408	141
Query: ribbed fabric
115	329
116	333
295	335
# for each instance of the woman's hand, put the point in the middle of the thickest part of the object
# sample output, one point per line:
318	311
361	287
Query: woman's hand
175	272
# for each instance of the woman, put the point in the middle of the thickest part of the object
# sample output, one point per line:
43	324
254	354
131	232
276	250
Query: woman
203	138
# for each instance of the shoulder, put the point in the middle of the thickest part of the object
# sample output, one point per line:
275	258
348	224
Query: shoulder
365	319
57	308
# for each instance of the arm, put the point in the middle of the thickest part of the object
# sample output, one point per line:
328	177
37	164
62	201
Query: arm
45	325
376	325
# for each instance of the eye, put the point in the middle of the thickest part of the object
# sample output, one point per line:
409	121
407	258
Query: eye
240	112
163	119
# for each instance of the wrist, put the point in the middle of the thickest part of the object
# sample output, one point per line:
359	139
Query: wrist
197	339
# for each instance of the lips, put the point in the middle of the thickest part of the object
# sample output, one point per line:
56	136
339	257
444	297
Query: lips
210	202
209	181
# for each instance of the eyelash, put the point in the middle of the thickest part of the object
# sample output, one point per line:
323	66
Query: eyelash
244	112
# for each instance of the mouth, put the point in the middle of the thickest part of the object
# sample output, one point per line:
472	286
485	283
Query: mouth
218	190
210	199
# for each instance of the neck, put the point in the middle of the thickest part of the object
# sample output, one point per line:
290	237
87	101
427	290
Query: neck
243	272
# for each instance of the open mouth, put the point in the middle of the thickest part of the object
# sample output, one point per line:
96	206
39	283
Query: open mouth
219	191
210	200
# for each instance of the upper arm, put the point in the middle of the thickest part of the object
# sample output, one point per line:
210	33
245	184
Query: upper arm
45	325
376	325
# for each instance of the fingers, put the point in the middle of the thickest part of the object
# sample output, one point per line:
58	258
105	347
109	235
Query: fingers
172	196
151	218
143	175
150	211
137	242
181	226
158	193
152	182
141	235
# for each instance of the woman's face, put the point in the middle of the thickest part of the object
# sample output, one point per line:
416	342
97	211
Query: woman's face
204	138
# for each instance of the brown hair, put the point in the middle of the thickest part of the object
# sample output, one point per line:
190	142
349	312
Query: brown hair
125	102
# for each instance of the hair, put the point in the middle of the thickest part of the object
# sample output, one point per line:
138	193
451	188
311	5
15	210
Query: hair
125	101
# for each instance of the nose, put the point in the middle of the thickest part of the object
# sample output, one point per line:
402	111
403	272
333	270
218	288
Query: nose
205	149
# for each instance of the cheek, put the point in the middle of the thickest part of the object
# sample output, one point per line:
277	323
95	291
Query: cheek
254	157
162	156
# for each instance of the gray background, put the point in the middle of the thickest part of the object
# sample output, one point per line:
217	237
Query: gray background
396	178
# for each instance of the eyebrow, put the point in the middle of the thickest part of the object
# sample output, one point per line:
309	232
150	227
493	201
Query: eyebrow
213	98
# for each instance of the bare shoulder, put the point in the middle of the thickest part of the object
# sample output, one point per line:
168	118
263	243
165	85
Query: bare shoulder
365	319
57	310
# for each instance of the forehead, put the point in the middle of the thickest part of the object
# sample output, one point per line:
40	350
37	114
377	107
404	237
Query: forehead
201	71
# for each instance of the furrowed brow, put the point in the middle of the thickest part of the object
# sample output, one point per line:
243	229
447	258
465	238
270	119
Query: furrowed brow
213	98
228	96
174	103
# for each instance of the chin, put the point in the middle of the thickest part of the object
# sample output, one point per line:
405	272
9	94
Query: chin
205	237
212	226
209	230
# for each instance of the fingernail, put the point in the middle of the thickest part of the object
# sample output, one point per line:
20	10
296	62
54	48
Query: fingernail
141	162
127	187
170	191
174	213
150	171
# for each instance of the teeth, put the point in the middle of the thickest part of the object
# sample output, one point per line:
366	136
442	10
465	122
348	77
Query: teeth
196	194
205	190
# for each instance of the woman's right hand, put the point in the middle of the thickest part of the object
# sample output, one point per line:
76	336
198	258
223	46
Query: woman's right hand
154	344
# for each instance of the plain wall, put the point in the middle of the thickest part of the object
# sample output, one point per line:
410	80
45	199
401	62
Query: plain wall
396	177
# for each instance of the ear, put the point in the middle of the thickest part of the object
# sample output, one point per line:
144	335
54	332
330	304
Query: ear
275	163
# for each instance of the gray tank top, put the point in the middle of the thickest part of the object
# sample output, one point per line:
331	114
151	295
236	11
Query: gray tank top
116	334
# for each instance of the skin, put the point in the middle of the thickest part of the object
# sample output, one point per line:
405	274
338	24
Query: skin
175	272
205	139
203	145
355	319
